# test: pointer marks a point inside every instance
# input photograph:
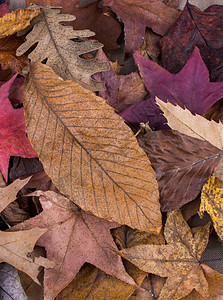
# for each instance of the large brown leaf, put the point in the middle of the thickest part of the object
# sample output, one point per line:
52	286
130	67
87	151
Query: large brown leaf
16	21
178	260
73	238
54	43
88	152
182	165
106	28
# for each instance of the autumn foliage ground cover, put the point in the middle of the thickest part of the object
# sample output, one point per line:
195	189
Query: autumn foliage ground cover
111	145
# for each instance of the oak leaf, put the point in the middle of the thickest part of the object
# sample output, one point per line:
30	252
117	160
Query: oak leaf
12	129
212	202
107	29
137	15
178	260
8	193
190	88
192	125
195	28
179	158
54	43
16	21
8	58
72	238
88	152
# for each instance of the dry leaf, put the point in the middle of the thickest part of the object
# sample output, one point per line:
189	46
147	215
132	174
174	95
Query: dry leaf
178	260
212	202
89	153
74	237
192	125
16	249
8	193
16	21
54	43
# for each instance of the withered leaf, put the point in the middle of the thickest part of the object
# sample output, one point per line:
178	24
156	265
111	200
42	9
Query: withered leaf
88	152
212	202
74	237
8	193
178	260
16	21
179	158
54	43
192	125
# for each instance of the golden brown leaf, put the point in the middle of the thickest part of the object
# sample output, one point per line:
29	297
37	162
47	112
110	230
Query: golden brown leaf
212	202
54	43
16	21
178	260
8	193
195	126
16	249
88	152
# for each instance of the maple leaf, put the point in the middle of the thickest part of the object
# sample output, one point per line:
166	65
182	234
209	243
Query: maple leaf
16	21
8	58
195	126
107	29
74	237
212	199
195	28
121	90
12	129
88	152
189	88
137	15
62	53
179	158
178	260
4	9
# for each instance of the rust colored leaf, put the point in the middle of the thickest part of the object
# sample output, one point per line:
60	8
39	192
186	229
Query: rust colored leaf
195	28
88	152
8	58
107	29
212	202
192	125
16	21
139	14
8	193
74	237
54	43
178	260
181	159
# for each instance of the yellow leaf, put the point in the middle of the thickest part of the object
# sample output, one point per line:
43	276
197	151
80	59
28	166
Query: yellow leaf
89	153
212	202
16	21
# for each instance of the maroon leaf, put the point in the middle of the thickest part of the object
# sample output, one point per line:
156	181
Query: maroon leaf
195	28
13	140
137	14
182	165
4	9
189	88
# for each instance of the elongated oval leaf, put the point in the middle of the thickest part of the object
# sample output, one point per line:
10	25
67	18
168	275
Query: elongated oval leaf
89	153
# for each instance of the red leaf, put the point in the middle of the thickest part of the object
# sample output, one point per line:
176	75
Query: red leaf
13	140
74	237
4	9
195	28
189	88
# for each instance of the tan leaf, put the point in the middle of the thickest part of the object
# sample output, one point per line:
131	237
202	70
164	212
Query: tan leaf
62	53
89	153
16	21
178	260
212	202
16	249
195	126
8	193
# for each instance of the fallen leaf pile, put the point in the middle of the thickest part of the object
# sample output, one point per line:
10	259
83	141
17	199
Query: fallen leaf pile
111	150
